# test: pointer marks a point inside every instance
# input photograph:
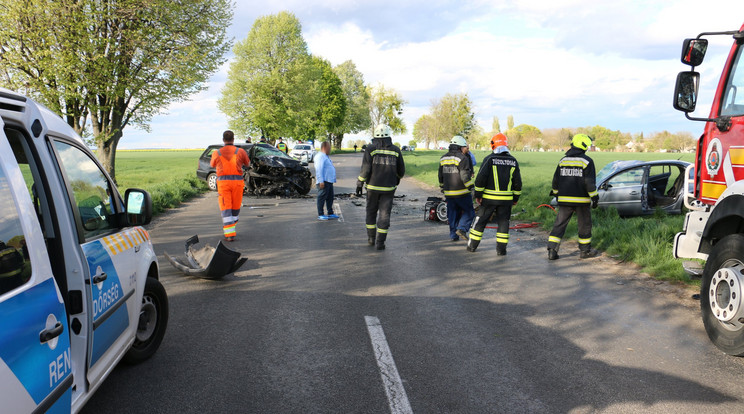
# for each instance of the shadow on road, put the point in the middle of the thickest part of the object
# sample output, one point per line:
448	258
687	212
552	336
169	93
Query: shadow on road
232	349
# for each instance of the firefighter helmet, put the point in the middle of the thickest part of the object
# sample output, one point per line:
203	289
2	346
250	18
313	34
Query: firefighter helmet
499	140
382	131
581	141
458	140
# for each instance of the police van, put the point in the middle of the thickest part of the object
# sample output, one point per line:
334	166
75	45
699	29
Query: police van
79	287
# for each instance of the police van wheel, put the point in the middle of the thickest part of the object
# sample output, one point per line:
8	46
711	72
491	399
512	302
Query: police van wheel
212	181
721	292
152	323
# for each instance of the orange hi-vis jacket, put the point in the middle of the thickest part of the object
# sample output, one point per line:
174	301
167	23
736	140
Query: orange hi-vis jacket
229	161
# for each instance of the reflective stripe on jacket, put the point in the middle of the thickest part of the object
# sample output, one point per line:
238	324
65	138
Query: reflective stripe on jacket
382	165
574	181
499	180
455	173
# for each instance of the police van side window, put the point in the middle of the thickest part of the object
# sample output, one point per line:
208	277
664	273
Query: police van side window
92	192
15	263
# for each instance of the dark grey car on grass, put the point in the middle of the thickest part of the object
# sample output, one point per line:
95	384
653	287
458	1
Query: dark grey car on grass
636	188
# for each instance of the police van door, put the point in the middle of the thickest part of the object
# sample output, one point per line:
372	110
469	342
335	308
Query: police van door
35	366
108	252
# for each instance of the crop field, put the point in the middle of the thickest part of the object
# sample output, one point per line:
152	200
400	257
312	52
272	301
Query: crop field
169	176
646	241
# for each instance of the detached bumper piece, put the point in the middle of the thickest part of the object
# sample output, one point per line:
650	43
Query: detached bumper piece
207	262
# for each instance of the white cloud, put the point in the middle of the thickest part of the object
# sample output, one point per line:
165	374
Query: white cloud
550	63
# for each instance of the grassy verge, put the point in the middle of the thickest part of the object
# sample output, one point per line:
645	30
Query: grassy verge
646	241
168	175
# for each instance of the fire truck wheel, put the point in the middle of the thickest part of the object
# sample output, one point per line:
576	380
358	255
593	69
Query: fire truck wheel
721	295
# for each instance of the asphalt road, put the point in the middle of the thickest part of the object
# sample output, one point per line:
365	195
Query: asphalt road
467	332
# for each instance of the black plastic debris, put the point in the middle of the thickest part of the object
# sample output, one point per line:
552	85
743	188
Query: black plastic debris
207	262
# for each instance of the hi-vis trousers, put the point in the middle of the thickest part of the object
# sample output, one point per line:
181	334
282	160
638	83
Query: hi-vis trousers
584	216
230	199
379	207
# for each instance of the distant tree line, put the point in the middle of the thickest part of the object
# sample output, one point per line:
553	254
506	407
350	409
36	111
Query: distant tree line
453	115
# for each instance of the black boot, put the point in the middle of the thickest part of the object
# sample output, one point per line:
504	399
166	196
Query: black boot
552	254
587	252
500	249
381	241
371	234
473	244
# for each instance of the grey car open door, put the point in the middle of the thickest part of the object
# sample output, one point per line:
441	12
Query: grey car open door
625	191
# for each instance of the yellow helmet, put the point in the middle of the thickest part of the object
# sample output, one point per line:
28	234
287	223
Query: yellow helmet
581	141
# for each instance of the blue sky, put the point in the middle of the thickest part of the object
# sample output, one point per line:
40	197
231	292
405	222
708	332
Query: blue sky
549	63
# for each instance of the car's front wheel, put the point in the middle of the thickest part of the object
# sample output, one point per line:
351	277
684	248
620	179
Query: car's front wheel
212	181
721	295
153	320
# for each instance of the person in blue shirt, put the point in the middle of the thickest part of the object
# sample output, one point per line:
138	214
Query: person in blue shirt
470	154
325	176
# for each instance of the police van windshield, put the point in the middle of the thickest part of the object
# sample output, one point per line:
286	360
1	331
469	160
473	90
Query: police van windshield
733	98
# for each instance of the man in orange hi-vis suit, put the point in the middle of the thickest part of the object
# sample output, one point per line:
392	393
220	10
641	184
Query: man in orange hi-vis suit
229	162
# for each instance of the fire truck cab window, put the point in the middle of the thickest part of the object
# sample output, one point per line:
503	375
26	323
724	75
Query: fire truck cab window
733	99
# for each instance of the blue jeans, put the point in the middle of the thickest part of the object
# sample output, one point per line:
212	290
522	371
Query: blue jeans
460	214
325	196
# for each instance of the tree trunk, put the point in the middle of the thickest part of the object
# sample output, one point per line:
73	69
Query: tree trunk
107	154
337	140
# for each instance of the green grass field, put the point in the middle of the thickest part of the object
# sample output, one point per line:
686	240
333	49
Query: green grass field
646	241
169	176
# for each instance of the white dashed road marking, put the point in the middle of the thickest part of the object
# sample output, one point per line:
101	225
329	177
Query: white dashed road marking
396	394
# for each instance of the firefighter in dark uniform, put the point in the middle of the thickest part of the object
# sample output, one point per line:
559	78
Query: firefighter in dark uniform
456	181
574	184
497	188
382	169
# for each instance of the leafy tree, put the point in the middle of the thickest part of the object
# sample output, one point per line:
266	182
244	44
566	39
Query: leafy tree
357	117
115	63
450	115
523	136
509	122
424	130
385	107
495	125
412	143
329	102
267	91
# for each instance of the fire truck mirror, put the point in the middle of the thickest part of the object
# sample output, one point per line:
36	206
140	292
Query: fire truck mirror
693	51
686	90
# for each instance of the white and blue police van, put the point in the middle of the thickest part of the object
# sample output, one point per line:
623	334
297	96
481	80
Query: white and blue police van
79	287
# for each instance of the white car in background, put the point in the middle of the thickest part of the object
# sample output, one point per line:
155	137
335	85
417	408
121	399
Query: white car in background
303	152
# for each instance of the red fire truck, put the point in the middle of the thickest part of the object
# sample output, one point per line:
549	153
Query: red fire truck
714	193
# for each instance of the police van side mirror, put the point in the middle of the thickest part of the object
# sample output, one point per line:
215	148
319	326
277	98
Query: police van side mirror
138	205
693	51
685	91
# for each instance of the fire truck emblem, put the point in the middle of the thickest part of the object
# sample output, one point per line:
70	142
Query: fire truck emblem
713	162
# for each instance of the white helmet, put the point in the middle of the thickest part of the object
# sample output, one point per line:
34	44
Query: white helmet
382	131
458	140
